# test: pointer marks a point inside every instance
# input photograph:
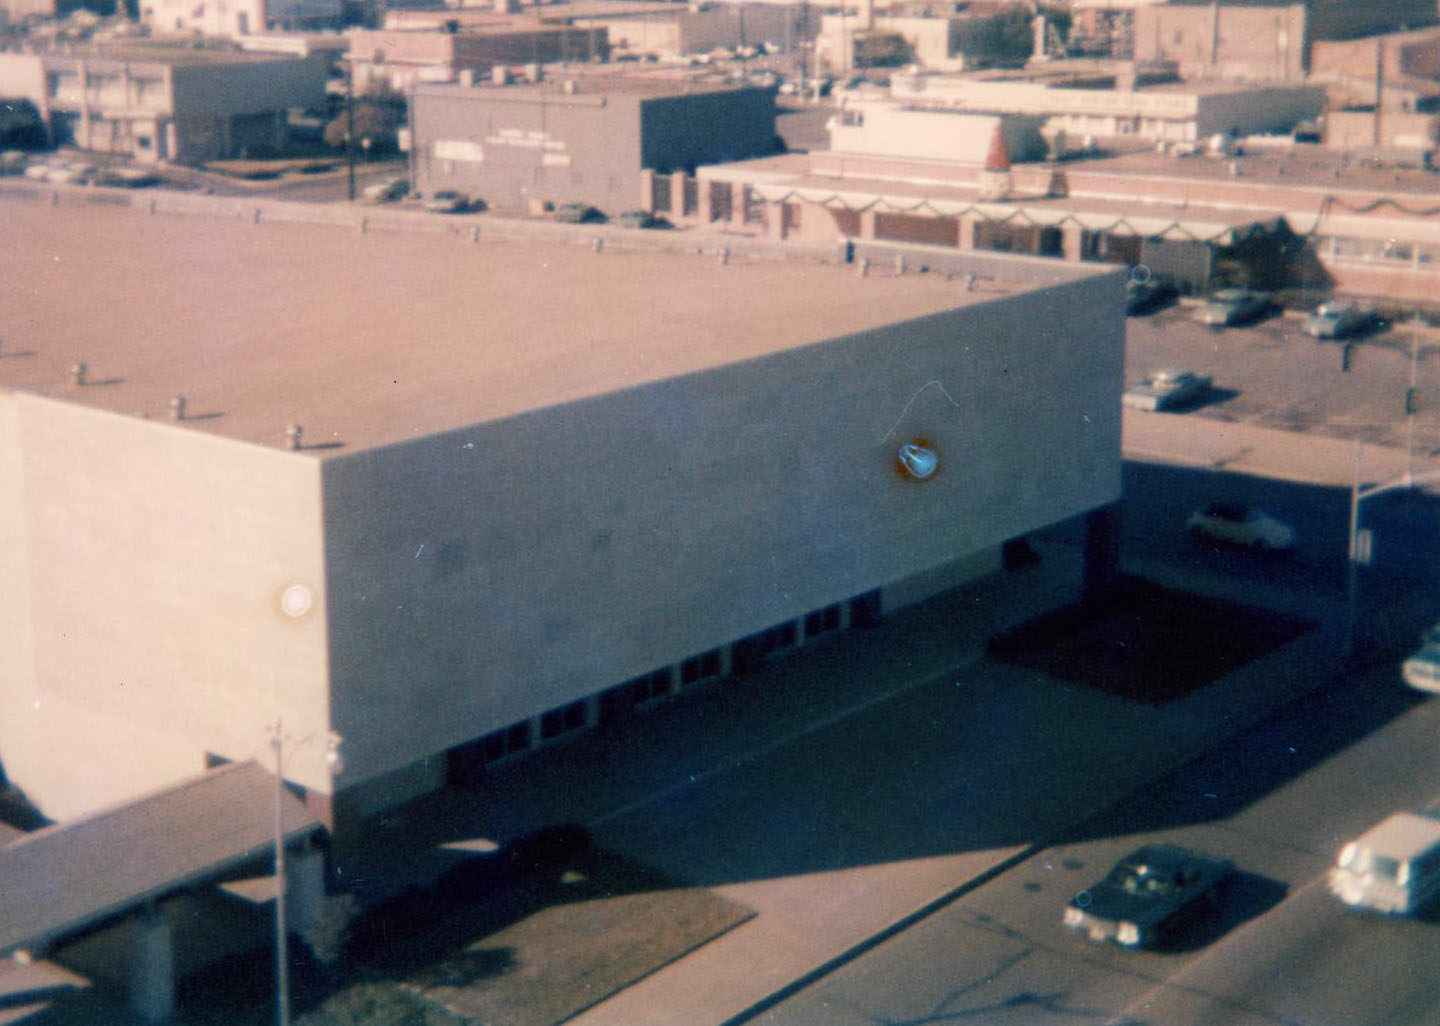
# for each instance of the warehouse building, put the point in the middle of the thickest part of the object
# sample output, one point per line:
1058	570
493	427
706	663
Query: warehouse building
455	502
156	103
583	140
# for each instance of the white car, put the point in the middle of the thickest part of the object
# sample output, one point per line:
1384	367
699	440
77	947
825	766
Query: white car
1245	526
1337	320
1422	669
1166	390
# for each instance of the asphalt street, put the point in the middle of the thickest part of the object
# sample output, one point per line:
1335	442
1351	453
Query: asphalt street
1278	800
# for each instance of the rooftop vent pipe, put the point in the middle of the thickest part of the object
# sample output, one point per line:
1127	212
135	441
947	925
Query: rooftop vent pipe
77	373
292	437
177	408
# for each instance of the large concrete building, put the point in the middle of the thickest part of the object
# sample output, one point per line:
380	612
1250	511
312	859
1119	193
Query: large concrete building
231	18
402	58
1261	40
536	484
154	103
582	140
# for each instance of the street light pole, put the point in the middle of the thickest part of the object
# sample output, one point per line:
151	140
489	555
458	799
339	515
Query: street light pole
282	936
282	955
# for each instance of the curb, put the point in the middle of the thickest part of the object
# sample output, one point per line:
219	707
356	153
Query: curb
881	936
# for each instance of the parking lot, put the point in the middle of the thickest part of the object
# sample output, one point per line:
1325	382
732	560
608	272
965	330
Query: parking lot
1272	374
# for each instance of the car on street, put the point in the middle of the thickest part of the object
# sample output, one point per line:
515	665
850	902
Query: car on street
1150	896
1144	296
386	191
640	219
1167	389
578	213
1392	868
1421	669
1244	526
1228	307
1339	320
448	201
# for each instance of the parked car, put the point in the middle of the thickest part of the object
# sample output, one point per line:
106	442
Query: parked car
12	162
1339	320
1166	390
1149	896
1421	670
1394	867
448	201
1245	526
640	219
1233	306
578	213
386	191
1142	296
128	178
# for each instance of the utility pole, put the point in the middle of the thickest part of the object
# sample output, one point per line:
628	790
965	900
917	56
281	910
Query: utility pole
350	124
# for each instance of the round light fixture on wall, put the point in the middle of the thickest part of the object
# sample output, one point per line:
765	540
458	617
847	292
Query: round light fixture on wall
296	600
919	462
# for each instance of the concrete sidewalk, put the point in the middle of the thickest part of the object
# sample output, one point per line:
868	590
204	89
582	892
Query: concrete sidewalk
1265	452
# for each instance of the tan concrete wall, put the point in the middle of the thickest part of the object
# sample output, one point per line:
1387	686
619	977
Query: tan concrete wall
142	565
486	575
1235	42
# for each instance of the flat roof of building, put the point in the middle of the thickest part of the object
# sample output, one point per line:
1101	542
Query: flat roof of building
371	339
150	52
559	86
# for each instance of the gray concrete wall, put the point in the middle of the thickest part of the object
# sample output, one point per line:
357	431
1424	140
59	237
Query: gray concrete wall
139	627
489	574
680	132
251	87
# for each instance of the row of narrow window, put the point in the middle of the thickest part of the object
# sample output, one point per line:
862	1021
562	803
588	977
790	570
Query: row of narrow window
647	688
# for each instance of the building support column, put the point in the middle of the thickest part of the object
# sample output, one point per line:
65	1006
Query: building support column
1102	551
965	231
776	221
647	190
1071	237
304	889
867	225
739	200
677	195
152	966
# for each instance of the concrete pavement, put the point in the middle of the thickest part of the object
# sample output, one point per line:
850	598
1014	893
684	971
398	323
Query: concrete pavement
1265	452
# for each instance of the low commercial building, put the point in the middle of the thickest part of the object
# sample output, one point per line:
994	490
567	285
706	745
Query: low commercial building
1261	40
233	18
1274	217
1090	104
457	503
581	140
153	103
402	58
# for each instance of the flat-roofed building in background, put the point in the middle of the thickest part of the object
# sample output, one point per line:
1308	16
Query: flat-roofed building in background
535	485
166	103
583	140
1103	100
1261	40
402	58
233	18
1277	220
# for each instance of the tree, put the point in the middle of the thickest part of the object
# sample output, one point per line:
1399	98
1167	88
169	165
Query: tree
372	122
20	125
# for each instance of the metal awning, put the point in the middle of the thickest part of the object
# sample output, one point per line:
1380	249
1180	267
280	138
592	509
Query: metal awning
1180	228
66	877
